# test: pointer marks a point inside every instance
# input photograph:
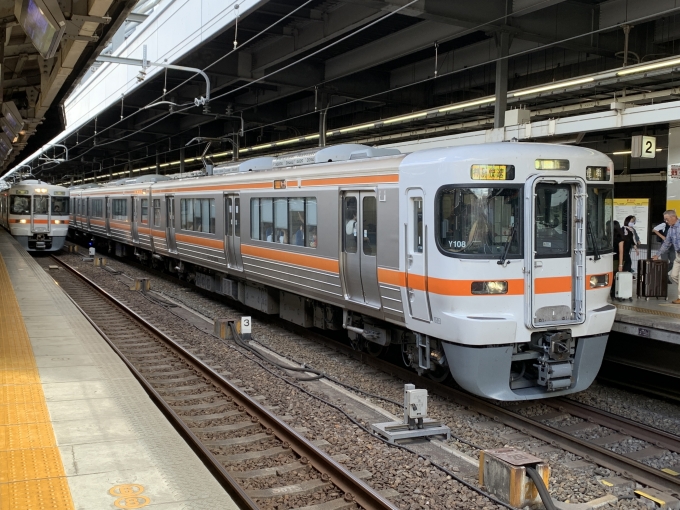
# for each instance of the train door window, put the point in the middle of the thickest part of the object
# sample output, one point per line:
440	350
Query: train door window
418	225
553	228
351	224
267	219
95	205
255	218
310	214
145	210
229	211
370	222
296	220
237	217
41	204
281	220
156	212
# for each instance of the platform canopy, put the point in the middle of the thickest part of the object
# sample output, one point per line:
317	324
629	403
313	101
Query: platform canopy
287	74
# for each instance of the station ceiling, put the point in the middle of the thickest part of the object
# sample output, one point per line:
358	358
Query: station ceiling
364	61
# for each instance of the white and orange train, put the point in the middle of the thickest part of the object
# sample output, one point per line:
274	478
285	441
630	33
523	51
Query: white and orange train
36	214
489	262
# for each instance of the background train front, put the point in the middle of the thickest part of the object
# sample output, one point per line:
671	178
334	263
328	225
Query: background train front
36	214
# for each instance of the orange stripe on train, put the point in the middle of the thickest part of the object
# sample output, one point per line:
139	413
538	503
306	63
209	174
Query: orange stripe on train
297	259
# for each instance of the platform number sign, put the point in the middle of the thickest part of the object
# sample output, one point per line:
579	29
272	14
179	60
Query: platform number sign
246	327
643	147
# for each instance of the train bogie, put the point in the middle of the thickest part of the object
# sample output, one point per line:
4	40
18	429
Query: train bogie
489	262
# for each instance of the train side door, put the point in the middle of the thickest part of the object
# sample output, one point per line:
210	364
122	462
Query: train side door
107	215
555	251
232	231
416	257
134	226
170	223
360	238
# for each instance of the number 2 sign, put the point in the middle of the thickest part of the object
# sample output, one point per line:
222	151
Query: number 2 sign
643	147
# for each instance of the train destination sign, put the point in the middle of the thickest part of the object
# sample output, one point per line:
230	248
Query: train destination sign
492	172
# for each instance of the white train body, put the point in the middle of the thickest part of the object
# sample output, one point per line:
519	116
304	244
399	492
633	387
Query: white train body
36	214
493	262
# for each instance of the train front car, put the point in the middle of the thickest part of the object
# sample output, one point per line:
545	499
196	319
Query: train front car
513	291
36	214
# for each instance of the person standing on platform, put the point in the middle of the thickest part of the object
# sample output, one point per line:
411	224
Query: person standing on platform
629	227
672	239
661	231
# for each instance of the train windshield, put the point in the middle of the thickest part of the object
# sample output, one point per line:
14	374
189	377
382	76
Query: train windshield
600	212
41	204
19	205
480	221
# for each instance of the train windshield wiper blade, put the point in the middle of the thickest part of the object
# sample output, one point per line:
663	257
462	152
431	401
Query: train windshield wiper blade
506	248
592	238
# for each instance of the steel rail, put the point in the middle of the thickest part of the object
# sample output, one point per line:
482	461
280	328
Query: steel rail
659	438
644	474
355	489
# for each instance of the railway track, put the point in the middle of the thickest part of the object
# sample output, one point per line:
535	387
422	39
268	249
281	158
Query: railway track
245	445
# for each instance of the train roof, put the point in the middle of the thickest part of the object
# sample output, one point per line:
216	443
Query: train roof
32	185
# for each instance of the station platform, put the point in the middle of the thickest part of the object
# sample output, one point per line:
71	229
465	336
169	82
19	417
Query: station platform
656	319
77	431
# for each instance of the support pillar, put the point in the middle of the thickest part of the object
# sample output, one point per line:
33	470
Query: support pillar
323	111
503	47
158	163
673	172
181	161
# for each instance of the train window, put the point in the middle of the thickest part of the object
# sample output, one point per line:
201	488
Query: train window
145	210
370	232
267	219
97	206
197	214
600	212
237	217
553	224
156	212
418	225
19	205
41	204
281	221
310	215
296	220
479	221
119	209
350	225
255	218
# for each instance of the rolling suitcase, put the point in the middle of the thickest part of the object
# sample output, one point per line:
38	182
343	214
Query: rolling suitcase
624	286
652	279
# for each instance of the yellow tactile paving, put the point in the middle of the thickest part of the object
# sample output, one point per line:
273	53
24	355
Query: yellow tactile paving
32	475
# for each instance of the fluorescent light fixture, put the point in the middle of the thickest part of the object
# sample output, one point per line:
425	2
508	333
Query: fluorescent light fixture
467	104
405	117
553	86
622	153
12	116
357	127
649	67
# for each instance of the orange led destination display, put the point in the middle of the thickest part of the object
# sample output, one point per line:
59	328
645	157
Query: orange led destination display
492	172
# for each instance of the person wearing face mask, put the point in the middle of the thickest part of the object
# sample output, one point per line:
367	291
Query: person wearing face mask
672	239
630	232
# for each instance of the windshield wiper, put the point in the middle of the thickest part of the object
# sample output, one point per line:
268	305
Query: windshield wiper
503	260
592	238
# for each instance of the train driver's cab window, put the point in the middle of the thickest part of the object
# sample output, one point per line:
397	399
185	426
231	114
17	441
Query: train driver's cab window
19	205
41	204
599	223
480	222
60	206
553	226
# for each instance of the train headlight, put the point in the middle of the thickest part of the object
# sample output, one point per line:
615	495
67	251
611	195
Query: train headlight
57	222
499	287
22	221
599	280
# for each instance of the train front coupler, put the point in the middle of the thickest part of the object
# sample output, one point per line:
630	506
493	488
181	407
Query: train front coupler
555	365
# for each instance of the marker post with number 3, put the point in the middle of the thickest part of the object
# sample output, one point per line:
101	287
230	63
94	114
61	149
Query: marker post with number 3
246	327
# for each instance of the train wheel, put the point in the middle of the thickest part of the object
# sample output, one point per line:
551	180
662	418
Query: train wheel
374	349
439	374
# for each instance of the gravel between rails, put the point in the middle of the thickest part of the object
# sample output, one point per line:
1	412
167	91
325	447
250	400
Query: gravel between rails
418	484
